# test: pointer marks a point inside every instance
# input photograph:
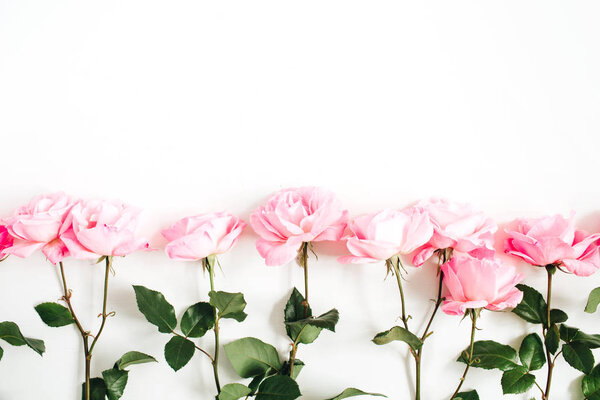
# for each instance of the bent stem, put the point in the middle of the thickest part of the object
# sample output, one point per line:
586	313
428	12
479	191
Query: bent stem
87	349
444	256
550	270
210	264
474	313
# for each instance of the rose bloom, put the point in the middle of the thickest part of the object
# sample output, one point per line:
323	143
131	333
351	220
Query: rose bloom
6	241
294	216
379	236
38	225
195	238
458	226
479	283
554	240
103	228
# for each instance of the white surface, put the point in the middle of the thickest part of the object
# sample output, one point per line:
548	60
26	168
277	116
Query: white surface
184	107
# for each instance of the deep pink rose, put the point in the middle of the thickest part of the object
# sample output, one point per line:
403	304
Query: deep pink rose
554	240
379	236
295	216
479	283
103	228
194	238
458	226
38	225
6	241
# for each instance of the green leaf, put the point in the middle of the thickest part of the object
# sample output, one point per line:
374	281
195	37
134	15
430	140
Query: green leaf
591	341
10	333
568	333
552	339
36	345
579	356
230	305
285	368
233	391
488	354
532	353
133	357
533	306
97	389
398	333
1	353
558	316
255	382
470	395
590	385
54	314
297	309
593	301
278	387
298	366
197	320
352	392
115	381
251	357
178	352
517	380
324	321
156	308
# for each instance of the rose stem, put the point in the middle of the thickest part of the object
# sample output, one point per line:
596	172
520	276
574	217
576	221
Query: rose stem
444	255
395	267
474	313
550	269
305	267
215	361
84	334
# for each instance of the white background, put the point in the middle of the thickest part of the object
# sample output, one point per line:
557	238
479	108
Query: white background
184	107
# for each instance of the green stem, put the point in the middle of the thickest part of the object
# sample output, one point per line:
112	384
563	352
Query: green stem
294	350
215	361
84	334
104	301
474	314
444	255
304	261
394	264
396	269
550	269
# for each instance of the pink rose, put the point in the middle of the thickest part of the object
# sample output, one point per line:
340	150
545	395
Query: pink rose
6	241
295	216
457	226
554	240
379	236
103	228
38	225
479	283
195	238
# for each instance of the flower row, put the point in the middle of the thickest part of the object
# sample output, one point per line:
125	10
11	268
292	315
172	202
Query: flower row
471	277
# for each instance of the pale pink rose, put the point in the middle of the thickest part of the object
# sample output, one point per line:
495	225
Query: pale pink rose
379	236
457	226
295	216
6	241
479	283
554	240
194	238
103	228
38	226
